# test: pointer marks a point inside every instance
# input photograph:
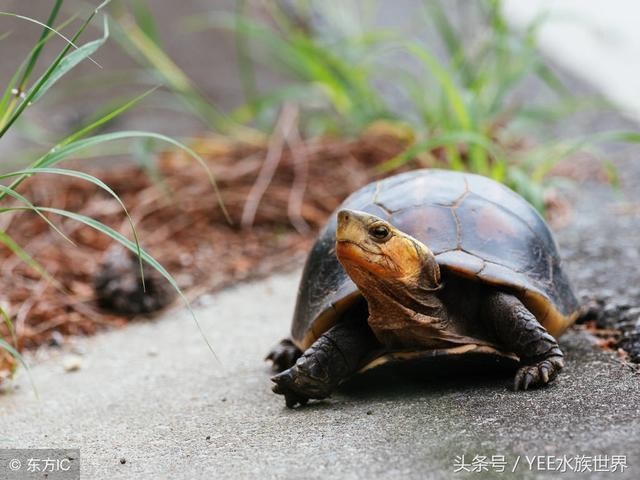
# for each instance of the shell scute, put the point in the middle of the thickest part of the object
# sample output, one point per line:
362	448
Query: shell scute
476	227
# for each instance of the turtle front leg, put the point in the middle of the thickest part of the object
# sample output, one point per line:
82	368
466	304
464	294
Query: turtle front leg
332	358
520	332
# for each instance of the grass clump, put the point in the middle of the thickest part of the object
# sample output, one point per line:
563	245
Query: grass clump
22	92
455	98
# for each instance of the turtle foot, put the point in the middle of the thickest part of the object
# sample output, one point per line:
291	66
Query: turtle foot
283	355
298	386
538	374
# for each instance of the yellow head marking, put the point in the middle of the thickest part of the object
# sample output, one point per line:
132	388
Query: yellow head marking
368	243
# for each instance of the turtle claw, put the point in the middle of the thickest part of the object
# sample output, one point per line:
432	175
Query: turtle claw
298	387
283	355
538	374
544	373
291	400
285	385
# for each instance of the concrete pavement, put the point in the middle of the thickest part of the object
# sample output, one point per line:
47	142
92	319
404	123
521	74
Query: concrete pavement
152	394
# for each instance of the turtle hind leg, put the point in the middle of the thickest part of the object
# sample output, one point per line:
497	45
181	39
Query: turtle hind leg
520	332
332	358
283	355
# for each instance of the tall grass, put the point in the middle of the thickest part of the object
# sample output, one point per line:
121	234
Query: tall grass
22	92
455	99
138	35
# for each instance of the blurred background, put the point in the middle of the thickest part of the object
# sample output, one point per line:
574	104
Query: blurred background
226	60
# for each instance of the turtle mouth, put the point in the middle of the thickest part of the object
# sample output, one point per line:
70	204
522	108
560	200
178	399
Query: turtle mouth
345	242
356	257
355	253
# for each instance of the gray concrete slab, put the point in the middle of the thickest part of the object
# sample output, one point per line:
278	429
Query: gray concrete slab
153	395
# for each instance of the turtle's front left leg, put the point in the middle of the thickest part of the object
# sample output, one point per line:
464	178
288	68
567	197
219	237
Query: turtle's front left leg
520	332
332	358
283	355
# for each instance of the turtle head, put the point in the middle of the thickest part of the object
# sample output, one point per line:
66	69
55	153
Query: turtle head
368	246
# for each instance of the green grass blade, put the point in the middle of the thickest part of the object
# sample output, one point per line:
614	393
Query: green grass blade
12	92
110	115
69	41
83	176
346	82
545	158
562	108
70	173
22	199
445	139
15	354
13	350
243	56
615	136
175	77
35	54
520	181
446	81
10	327
144	19
34	90
69	62
273	100
57	154
451	40
4	345
19	252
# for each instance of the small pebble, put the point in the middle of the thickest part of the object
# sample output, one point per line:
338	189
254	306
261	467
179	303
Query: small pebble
123	460
152	352
208	437
223	399
56	340
72	363
369	412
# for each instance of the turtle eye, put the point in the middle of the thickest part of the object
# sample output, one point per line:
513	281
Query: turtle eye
379	232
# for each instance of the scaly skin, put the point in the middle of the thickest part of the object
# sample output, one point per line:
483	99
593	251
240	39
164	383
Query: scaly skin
520	332
333	358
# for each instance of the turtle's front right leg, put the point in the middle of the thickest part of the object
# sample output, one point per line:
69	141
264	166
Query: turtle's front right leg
332	358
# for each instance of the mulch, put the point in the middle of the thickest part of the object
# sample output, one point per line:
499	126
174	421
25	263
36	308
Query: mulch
277	197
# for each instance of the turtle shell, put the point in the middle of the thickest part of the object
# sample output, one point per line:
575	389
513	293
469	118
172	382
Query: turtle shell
476	227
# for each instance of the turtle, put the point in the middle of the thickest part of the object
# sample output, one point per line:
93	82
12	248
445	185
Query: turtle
428	262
